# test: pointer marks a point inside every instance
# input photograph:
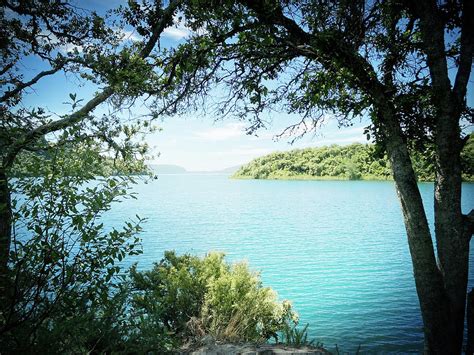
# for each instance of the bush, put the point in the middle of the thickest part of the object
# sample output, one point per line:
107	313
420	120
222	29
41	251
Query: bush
154	311
192	296
238	308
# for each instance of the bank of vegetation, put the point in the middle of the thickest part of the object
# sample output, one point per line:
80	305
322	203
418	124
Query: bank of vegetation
351	162
182	300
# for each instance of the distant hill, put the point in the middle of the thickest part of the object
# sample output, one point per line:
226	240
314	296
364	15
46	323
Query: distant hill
231	170
176	169
167	169
227	171
351	162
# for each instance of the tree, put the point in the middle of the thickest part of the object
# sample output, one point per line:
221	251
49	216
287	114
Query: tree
63	268
62	151
404	64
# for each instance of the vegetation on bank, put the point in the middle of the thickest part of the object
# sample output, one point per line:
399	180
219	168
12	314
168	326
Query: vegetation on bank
69	293
181	299
352	162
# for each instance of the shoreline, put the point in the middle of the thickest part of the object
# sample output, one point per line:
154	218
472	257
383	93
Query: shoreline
327	178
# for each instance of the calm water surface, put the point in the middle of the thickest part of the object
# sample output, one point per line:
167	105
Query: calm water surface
337	249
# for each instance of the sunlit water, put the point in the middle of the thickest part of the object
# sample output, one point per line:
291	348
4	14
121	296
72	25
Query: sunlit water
337	249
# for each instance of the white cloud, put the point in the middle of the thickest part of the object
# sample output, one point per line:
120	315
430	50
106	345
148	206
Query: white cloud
176	32
50	38
244	152
68	48
229	131
130	35
179	30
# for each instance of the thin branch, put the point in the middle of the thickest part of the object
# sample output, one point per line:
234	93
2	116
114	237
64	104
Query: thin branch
467	50
7	68
82	113
20	86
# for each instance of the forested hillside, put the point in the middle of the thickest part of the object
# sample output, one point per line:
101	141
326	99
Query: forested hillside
80	158
352	162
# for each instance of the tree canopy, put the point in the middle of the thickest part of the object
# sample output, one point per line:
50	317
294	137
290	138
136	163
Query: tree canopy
405	65
54	253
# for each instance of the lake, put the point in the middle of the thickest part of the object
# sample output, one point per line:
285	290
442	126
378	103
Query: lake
336	249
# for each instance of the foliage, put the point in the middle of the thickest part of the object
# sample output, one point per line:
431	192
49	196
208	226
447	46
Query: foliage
173	291
351	162
190	296
238	308
347	162
293	336
59	169
63	262
467	158
87	157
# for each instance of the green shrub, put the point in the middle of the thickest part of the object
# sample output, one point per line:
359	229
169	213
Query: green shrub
192	296
293	336
237	307
154	311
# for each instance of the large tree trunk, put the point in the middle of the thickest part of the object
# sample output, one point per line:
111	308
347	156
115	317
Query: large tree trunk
434	301
5	233
451	239
452	236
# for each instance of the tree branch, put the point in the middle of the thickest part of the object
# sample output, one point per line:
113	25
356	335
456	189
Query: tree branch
7	68
469	224
54	126
20	86
324	47
432	34
467	49
79	115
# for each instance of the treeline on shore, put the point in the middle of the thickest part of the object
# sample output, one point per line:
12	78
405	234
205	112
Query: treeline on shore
351	162
81	159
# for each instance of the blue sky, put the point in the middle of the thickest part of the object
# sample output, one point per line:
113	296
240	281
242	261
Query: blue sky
195	142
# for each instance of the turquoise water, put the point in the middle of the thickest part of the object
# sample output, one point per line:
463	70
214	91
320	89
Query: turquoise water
337	249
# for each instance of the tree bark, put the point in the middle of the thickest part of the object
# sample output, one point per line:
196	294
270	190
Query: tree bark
5	233
433	299
470	323
452	236
452	243
451	240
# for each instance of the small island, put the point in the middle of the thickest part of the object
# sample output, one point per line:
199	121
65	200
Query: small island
350	162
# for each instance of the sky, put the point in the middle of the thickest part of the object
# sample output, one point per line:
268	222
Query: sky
195	142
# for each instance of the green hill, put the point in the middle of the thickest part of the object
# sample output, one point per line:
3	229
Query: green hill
350	162
167	169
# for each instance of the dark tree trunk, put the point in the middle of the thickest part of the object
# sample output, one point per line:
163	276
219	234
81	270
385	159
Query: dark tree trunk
442	285
452	236
470	323
452	242
434	301
5	232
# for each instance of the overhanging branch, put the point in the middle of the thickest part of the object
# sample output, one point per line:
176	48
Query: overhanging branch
19	87
467	50
79	115
469	224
